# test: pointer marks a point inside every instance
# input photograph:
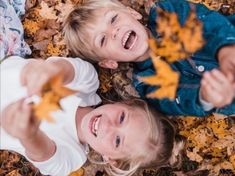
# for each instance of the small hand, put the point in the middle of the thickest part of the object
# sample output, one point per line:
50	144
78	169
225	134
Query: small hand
18	121
37	73
217	89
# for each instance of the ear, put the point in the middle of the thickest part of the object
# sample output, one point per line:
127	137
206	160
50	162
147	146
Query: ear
134	13
107	63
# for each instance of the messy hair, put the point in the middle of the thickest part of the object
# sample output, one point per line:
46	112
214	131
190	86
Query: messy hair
78	21
163	148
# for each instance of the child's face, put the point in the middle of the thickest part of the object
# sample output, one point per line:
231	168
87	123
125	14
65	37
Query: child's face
116	130
118	35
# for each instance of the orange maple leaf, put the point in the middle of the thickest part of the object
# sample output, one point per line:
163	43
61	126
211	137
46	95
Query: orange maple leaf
165	77
177	42
79	172
52	92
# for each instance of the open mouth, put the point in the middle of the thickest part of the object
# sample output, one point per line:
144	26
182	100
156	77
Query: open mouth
94	125
129	39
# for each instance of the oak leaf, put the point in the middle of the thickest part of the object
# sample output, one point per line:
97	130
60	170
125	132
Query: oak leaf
52	92
165	77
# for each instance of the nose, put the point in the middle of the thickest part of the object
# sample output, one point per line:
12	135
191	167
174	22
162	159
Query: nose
114	33
107	127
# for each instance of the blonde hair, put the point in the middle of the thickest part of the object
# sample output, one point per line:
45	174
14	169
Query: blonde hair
161	150
78	21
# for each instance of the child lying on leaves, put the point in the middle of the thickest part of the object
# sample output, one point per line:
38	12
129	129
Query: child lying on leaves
108	32
128	135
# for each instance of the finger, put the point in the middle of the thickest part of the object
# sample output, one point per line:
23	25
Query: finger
219	76
213	96
8	114
24	118
211	80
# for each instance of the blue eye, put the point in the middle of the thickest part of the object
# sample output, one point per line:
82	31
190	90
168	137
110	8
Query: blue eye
102	41
114	19
122	117
118	141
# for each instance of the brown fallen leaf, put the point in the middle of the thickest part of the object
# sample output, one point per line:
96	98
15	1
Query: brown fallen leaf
47	12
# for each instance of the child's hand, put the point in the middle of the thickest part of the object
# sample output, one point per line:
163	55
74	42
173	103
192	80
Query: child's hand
226	57
37	73
216	88
18	121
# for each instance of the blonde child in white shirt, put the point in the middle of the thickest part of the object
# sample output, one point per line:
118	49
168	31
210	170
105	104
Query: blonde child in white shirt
127	135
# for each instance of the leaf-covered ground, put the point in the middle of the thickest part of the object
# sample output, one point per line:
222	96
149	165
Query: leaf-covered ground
210	146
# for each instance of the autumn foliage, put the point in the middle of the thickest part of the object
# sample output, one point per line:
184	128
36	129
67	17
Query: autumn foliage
166	78
177	42
52	92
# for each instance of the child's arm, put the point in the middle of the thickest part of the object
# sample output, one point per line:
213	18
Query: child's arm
18	121
38	72
85	80
216	89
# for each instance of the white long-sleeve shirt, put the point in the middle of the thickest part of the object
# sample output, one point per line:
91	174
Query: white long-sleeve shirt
70	153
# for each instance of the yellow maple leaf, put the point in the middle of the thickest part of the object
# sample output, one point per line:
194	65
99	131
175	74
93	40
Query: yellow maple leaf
52	92
177	42
165	77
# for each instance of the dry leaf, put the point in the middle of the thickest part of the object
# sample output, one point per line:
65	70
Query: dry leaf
64	9
30	27
177	42
210	141
52	92
79	172
165	77
47	12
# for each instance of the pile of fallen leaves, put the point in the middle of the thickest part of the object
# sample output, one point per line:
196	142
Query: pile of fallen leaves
224	6
210	142
43	27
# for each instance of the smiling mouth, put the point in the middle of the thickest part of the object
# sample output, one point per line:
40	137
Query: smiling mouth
94	125
129	39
